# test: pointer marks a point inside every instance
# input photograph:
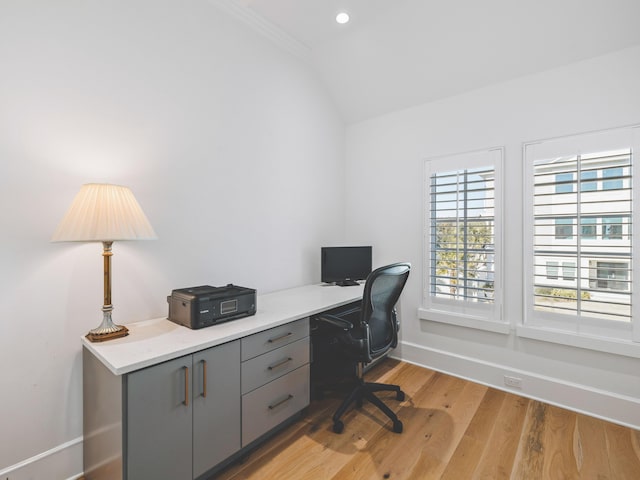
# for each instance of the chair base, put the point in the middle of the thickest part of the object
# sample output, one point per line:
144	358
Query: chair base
365	391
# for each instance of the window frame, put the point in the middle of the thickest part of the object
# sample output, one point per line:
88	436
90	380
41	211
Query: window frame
589	332
486	316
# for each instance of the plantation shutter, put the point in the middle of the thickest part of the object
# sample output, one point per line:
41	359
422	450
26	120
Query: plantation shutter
579	217
462	236
462	240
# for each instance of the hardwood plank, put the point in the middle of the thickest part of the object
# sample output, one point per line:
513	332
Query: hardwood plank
436	434
590	448
469	451
529	458
635	441
623	459
559	457
442	434
502	443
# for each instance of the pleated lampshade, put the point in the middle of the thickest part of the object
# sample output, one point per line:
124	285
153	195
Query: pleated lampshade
103	212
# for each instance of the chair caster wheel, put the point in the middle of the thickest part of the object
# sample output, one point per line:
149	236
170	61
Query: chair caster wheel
397	426
338	426
400	396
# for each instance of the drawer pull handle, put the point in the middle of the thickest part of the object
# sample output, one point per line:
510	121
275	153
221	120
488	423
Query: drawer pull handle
277	404
186	386
280	363
281	337
204	378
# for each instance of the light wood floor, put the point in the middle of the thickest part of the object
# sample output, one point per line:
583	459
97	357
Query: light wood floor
453	429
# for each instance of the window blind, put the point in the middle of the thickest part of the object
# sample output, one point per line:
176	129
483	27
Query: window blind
462	234
582	209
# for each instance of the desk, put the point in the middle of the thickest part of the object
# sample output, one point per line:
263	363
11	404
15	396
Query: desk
170	402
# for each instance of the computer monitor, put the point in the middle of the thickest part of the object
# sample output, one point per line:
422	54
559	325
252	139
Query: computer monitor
345	265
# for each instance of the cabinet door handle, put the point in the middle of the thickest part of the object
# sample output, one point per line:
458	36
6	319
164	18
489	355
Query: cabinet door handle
277	404
281	337
204	378
280	363
186	386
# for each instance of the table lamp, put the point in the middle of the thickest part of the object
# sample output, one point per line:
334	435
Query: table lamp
104	213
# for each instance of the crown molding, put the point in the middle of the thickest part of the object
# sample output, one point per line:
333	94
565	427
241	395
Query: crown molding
239	10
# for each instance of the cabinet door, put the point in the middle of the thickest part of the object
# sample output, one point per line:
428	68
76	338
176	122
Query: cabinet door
216	405
158	422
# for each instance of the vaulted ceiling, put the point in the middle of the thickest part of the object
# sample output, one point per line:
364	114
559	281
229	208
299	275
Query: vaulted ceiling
395	54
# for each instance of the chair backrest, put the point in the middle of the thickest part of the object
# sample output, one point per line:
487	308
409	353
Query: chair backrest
381	293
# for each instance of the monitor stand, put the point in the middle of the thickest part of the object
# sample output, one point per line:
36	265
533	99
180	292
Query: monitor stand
347	283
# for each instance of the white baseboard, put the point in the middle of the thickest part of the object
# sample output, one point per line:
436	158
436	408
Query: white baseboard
616	408
63	462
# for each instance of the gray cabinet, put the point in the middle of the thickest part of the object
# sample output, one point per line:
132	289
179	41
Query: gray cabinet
177	420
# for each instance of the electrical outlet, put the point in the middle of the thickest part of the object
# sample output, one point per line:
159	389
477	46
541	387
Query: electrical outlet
514	382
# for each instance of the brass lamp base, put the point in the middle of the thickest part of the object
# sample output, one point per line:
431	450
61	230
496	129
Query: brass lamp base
101	337
107	329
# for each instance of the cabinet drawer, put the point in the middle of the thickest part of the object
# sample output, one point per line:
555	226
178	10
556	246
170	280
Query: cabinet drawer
264	342
274	364
272	404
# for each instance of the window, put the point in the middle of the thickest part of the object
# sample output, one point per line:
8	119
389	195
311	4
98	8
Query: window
564	228
588	180
552	270
582	283
564	182
614	176
462	237
569	271
588	229
612	228
612	276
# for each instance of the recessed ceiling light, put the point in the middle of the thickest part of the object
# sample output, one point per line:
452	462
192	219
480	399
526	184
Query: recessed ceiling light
342	17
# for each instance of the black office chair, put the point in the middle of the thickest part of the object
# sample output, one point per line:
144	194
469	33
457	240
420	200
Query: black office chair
370	336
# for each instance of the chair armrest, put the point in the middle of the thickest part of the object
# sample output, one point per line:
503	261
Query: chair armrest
335	321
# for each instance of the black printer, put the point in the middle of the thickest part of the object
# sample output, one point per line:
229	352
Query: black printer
199	307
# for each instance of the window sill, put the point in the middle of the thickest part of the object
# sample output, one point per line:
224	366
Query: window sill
608	345
462	320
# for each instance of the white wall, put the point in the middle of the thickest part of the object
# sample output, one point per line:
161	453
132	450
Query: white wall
233	149
385	173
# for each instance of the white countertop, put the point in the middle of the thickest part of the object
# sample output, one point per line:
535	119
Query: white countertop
153	341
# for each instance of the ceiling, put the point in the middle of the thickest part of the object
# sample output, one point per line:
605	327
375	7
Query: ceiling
395	54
